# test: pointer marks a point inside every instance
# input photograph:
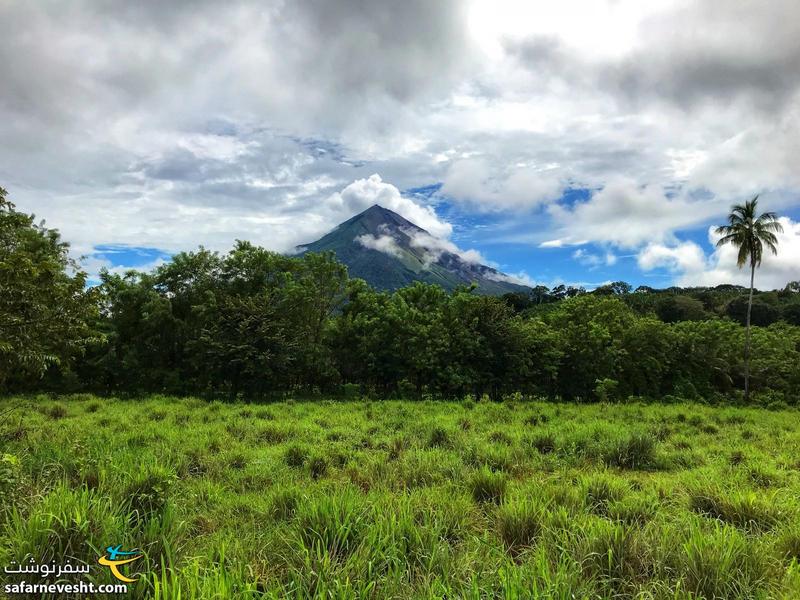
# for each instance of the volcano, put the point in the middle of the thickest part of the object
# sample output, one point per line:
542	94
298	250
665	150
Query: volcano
390	252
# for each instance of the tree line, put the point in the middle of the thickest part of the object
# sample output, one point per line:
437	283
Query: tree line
251	323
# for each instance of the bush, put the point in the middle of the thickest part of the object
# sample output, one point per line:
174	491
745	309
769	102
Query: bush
606	390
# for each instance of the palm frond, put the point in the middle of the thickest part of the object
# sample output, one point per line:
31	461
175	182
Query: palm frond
744	254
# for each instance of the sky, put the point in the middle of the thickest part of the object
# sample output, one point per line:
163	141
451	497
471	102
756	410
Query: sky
574	142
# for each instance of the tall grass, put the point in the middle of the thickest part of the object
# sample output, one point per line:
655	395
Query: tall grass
358	499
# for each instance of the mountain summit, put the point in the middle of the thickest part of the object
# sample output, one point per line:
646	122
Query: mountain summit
389	252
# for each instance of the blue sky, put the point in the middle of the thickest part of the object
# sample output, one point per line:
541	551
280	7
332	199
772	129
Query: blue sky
586	265
565	142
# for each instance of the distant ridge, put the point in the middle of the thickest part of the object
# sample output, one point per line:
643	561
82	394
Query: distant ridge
389	252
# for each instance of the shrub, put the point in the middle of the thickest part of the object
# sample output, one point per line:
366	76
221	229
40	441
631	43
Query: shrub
606	390
487	486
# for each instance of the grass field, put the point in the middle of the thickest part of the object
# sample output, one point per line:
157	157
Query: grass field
394	499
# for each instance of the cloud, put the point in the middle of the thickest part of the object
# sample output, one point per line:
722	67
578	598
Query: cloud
363	193
693	268
686	256
525	186
382	243
592	260
434	247
176	123
627	215
520	278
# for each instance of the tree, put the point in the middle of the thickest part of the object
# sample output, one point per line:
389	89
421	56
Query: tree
791	313
762	313
45	306
615	288
680	308
749	233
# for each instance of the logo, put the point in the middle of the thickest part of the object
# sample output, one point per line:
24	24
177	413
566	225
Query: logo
113	562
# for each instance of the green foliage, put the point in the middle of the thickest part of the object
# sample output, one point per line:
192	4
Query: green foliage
762	313
255	324
680	308
46	311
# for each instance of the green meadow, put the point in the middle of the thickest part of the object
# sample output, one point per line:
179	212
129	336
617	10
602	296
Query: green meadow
408	499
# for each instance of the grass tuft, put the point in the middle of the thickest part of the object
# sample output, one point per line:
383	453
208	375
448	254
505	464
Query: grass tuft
487	486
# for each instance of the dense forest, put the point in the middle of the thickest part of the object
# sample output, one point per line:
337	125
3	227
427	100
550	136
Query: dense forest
251	323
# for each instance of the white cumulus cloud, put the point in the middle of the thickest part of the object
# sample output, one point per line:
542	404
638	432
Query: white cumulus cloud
693	267
381	243
363	193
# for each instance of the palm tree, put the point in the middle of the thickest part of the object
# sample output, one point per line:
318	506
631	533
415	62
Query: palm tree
749	234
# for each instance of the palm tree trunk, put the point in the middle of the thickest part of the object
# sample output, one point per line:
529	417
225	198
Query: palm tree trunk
747	336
